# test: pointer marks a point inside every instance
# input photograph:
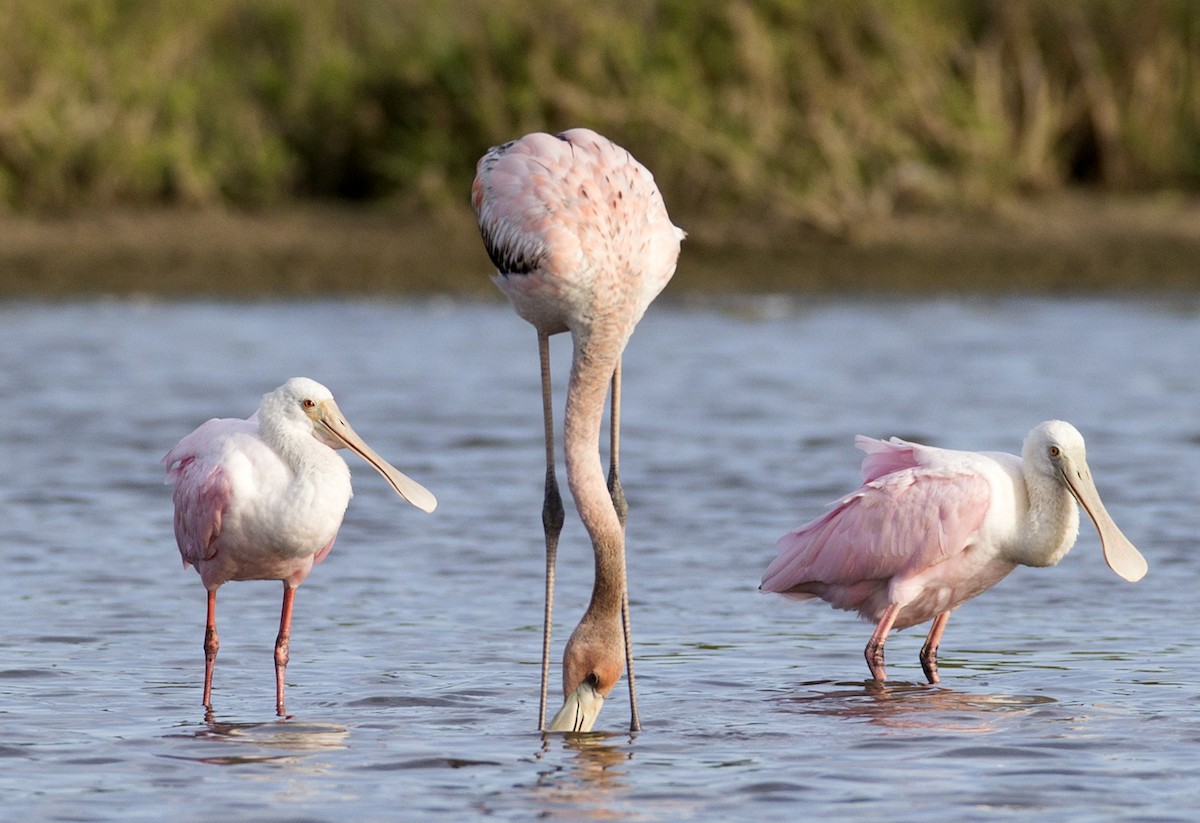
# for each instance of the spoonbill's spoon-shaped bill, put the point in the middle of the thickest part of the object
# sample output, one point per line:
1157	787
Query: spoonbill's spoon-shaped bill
335	432
1120	554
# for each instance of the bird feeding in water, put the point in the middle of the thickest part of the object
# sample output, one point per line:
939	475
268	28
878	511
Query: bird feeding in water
931	528
582	243
263	498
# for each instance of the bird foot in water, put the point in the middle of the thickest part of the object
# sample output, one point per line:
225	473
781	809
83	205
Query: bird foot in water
874	655
929	664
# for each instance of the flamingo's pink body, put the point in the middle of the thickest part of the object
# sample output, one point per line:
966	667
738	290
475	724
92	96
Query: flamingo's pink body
582	243
931	528
578	232
263	498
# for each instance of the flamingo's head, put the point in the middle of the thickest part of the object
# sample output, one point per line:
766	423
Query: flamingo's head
592	665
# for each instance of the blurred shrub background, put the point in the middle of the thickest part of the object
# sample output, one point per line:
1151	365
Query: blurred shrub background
328	145
788	110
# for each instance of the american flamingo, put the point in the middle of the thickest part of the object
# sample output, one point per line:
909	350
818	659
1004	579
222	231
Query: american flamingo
931	528
582	243
263	498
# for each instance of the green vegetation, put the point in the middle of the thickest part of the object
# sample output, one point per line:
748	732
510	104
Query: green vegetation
788	112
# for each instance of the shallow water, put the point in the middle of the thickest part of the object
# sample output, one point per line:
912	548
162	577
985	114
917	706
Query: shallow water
1067	694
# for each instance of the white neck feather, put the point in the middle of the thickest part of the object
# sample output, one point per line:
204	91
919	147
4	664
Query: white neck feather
1051	522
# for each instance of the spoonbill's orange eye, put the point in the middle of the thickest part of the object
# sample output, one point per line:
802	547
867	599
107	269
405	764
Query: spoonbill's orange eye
1055	451
308	403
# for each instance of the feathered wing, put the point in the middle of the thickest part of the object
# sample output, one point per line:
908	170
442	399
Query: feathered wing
888	456
518	190
915	509
202	489
324	551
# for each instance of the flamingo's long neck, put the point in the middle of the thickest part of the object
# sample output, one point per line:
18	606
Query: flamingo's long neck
595	359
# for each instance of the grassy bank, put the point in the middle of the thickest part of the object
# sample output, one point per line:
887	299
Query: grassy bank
284	147
793	113
1068	244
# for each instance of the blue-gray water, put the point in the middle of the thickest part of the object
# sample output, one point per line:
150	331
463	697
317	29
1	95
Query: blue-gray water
1067	693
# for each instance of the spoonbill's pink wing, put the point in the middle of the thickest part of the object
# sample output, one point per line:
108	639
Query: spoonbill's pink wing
324	552
888	456
898	523
202	488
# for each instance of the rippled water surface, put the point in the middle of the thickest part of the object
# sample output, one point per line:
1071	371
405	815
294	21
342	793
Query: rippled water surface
1067	693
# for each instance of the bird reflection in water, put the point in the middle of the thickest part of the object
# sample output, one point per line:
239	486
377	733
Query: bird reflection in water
588	783
275	741
900	705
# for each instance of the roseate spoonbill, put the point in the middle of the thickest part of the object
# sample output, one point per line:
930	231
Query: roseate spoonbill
931	528
582	243
263	498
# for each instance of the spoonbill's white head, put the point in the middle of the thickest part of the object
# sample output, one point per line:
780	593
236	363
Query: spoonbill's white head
302	406
1055	449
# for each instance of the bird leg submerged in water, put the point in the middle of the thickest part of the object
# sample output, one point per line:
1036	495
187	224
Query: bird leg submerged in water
211	644
552	520
282	642
928	657
874	649
621	506
929	650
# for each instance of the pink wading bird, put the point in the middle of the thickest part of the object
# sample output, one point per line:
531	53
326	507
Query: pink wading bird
931	528
263	498
582	243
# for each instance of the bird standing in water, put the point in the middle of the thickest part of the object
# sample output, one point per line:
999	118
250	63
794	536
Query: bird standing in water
931	528
582	243
263	498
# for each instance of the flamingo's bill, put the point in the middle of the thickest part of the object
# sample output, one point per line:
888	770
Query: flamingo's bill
337	433
579	711
1120	555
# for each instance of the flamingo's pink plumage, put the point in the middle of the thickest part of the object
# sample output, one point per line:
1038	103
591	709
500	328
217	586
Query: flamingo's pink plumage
581	242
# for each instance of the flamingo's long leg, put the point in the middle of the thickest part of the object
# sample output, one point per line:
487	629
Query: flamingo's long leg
614	452
552	520
622	507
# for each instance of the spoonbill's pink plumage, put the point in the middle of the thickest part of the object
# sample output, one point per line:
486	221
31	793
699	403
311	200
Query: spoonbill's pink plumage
582	243
263	498
931	528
